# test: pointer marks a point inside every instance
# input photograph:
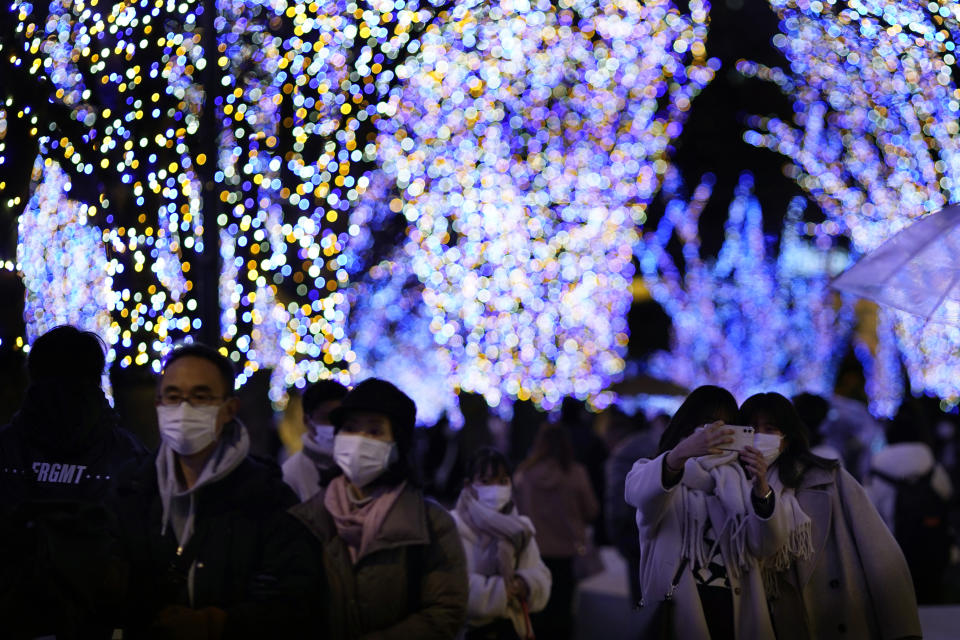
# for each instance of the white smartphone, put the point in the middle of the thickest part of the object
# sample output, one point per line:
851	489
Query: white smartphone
742	437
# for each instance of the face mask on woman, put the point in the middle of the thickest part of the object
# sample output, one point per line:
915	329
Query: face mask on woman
187	429
323	436
495	496
362	459
769	445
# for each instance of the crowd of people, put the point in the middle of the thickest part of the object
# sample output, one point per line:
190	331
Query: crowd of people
727	513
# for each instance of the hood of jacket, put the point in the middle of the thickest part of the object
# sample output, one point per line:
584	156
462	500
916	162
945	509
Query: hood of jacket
904	460
179	502
63	417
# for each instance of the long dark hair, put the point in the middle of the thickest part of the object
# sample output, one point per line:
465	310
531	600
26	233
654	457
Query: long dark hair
552	443
704	405
796	457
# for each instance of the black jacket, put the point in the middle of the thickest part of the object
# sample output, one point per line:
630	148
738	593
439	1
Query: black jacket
64	449
252	559
60	570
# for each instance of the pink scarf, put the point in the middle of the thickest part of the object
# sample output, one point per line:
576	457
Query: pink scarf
501	537
358	522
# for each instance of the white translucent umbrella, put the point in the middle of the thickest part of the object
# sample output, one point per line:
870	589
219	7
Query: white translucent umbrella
917	270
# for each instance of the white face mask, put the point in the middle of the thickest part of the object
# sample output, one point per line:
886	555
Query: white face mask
769	445
187	429
323	437
494	496
362	459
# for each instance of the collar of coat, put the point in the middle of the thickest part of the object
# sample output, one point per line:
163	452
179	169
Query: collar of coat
817	477
405	524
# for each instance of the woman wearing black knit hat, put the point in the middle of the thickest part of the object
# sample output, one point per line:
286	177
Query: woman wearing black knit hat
393	558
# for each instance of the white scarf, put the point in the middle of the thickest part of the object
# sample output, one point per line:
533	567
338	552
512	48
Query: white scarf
800	542
501	537
713	488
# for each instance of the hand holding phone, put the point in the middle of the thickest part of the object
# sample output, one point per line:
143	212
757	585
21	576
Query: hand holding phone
742	437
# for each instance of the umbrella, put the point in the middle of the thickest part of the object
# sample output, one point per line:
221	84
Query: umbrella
917	270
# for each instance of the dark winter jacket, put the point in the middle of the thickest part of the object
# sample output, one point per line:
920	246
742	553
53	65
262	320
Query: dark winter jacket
61	571
251	559
411	584
63	449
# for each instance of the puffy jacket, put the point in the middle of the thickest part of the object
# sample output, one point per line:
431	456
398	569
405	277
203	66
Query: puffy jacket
54	451
412	583
251	558
60	570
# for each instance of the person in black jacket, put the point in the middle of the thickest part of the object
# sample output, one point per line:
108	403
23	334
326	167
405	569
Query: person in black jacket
213	552
65	443
59	460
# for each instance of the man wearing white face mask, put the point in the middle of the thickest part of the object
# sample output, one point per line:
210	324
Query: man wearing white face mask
313	467
213	552
393	559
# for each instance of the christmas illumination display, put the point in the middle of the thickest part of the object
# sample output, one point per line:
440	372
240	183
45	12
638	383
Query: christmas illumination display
881	367
527	139
251	118
743	320
59	288
268	123
451	194
875	137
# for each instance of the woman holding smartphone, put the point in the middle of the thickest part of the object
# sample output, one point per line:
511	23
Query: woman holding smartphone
709	523
854	583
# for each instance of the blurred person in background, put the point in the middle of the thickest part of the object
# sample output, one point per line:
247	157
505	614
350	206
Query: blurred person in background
912	491
590	450
508	579
554	491
850	580
524	425
213	553
709	522
393	559
813	411
313	467
60	458
631	438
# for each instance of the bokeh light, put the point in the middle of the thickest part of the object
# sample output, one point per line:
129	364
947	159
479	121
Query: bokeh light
744	320
874	140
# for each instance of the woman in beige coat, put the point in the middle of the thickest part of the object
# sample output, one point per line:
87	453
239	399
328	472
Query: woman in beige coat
707	516
855	582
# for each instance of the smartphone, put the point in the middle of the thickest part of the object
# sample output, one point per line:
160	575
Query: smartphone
742	437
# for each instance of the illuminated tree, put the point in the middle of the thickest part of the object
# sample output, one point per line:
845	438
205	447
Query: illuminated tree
744	320
874	140
527	139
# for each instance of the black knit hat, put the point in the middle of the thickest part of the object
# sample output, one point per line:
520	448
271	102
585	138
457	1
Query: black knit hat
379	396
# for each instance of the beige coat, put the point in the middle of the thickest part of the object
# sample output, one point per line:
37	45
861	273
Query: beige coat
856	585
660	521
